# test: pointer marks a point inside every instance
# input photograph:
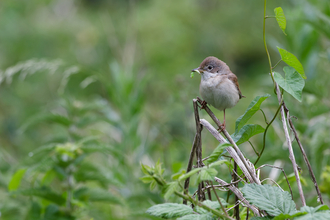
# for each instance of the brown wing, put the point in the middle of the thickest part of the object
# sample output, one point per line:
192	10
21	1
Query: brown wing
233	78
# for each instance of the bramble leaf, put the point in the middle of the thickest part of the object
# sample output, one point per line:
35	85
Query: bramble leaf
169	210
246	132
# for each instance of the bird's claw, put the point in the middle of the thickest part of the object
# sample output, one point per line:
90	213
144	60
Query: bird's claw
203	104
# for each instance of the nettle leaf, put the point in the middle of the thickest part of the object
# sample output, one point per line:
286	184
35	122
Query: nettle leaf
169	210
293	83
292	61
246	132
16	179
283	216
170	189
216	153
197	217
207	174
269	198
250	111
280	18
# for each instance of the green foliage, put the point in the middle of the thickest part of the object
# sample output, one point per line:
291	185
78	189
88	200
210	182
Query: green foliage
16	179
280	18
197	217
293	83
169	210
292	61
250	111
246	132
217	152
269	198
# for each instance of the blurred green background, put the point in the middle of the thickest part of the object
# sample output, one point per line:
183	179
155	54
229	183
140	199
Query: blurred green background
89	89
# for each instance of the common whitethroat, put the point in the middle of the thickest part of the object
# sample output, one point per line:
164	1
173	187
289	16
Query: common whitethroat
219	86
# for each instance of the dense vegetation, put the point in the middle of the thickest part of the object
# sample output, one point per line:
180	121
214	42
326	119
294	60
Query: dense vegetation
90	89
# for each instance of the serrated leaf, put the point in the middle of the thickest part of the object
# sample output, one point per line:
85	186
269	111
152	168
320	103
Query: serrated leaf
292	61
250	111
283	216
321	215
177	175
212	204
280	18
197	217
169	210
316	209
170	189
269	198
260	218
16	179
42	192
189	174
293	83
207	174
246	132
216	153
146	179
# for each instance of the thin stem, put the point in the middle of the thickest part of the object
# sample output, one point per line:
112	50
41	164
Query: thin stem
265	44
216	195
277	64
264	139
255	151
264	116
197	203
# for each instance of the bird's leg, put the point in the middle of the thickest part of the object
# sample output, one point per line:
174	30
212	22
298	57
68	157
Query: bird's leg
203	104
223	125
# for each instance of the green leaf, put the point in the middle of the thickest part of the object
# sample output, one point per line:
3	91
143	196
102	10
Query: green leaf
283	216
16	180
212	204
269	198
189	174
246	133
178	174
260	218
292	61
197	217
146	179
280	18
207	174
169	210
42	192
96	195
170	189
321	215
216	153
218	163
250	111
34	212
292	84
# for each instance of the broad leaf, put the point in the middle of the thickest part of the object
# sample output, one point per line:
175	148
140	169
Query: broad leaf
292	215
42	192
207	174
320	212
260	218
292	84
212	204
269	198
246	133
16	179
280	18
189	174
250	111
178	174
216	153
169	210
197	217
292	61
96	195
170	189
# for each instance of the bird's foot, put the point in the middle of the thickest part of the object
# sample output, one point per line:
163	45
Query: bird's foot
203	104
221	127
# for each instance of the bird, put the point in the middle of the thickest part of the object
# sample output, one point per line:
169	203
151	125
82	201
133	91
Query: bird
219	86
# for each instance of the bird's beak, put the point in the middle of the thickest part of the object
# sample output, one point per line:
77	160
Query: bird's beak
198	70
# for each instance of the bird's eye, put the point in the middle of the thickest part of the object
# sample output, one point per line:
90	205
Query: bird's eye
210	67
